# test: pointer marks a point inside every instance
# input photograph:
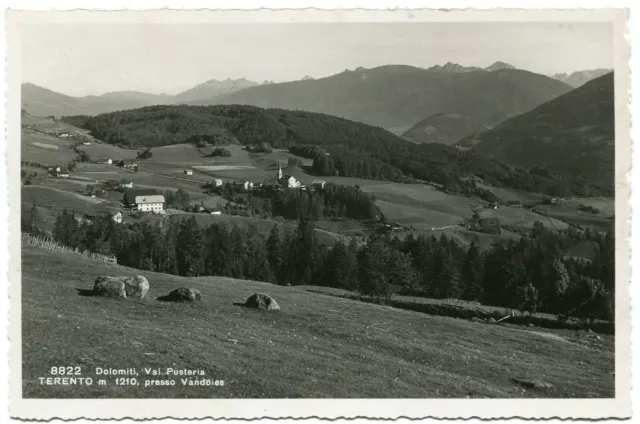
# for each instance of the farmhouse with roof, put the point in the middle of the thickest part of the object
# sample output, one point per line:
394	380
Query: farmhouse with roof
60	172
128	163
144	200
246	185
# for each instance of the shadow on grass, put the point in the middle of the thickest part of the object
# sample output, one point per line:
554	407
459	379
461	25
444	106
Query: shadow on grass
241	304
86	292
170	298
175	299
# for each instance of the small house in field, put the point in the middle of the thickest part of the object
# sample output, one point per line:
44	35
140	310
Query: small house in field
86	143
490	225
217	182
117	217
64	135
318	184
105	161
216	212
246	185
60	172
126	184
128	163
493	205
188	172
289	181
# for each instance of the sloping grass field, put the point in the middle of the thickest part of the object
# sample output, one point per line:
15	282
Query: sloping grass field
318	346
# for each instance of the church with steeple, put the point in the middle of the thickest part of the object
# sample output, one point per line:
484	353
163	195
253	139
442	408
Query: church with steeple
288	181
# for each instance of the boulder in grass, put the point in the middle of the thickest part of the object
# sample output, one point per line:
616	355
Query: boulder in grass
262	301
137	286
121	287
184	294
110	287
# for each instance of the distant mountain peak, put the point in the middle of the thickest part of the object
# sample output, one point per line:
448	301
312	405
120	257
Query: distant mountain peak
214	87
578	78
307	78
499	65
453	68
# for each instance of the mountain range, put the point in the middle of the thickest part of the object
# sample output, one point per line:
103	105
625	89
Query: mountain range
442	104
40	101
396	97
571	135
578	78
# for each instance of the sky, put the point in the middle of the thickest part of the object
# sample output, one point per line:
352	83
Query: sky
82	60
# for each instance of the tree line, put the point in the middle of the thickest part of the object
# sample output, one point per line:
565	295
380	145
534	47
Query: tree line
332	201
534	274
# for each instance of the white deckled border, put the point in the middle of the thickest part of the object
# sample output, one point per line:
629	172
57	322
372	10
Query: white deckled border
374	408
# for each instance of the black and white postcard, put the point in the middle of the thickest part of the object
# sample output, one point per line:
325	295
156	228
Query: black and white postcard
317	213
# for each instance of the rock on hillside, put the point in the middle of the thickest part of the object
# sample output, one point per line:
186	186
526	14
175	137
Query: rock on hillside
262	301
572	135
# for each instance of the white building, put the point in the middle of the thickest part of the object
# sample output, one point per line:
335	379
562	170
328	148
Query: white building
108	162
244	184
153	203
217	182
86	143
117	218
188	172
289	181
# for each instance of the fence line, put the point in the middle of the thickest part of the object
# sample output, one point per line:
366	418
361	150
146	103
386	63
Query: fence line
44	243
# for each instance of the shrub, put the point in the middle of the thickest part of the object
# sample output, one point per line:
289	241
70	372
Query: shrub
220	151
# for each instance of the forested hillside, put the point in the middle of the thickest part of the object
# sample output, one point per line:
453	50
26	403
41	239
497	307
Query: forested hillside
572	135
354	149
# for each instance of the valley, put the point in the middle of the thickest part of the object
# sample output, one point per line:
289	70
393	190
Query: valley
418	208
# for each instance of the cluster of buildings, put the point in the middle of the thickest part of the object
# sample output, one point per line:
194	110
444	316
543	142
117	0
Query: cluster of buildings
281	180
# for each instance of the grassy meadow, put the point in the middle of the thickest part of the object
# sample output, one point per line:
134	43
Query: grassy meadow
317	347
